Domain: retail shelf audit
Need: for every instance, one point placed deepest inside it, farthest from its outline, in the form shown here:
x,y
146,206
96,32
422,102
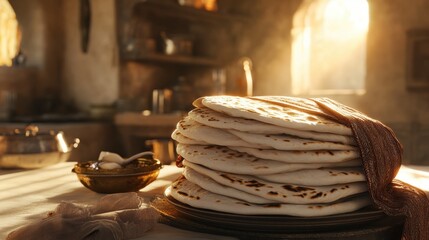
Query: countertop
x,y
27,195
151,120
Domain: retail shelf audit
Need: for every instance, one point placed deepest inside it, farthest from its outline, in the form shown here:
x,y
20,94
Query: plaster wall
x,y
93,78
387,97
90,78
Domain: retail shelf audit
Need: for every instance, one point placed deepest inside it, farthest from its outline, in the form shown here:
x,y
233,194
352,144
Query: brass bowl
x,y
133,177
30,148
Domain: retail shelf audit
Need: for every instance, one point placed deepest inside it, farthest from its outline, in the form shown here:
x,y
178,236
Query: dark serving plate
x,y
275,223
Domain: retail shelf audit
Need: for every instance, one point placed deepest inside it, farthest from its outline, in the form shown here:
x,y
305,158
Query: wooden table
x,y
27,195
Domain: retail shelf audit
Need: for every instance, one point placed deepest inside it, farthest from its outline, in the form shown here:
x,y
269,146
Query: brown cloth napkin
x,y
381,155
114,216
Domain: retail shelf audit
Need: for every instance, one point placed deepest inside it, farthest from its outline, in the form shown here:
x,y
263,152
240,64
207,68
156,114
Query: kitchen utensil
x,y
114,160
219,81
85,24
163,149
30,148
183,95
133,177
177,44
161,101
239,78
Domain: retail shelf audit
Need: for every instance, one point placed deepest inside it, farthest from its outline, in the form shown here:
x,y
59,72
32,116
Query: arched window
x,y
329,47
10,36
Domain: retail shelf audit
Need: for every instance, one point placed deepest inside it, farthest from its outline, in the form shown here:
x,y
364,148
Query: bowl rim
x,y
117,175
155,166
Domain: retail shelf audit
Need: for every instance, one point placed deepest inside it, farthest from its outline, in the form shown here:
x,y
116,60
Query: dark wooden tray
x,y
247,227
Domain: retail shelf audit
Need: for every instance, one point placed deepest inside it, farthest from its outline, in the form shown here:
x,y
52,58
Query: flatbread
x,y
317,156
270,113
209,117
285,142
318,177
178,137
194,130
224,159
285,193
195,196
214,187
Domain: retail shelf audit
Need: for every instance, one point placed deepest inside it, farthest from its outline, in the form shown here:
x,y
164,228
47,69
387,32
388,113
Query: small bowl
x,y
133,177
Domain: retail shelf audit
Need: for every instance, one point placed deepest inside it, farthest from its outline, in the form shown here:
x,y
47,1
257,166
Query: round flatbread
x,y
285,193
271,113
285,142
194,130
318,177
214,187
317,156
195,196
227,160
209,117
178,137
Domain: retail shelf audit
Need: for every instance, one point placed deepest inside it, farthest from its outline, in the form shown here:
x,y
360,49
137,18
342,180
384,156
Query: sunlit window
x,y
9,34
329,47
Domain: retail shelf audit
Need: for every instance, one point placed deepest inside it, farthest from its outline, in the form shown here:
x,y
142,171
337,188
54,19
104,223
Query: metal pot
x,y
30,148
163,149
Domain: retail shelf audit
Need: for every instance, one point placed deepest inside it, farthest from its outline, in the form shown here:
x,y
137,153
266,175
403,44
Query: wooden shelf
x,y
175,10
168,59
160,15
138,119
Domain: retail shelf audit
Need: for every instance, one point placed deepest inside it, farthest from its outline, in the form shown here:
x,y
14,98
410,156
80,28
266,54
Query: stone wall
x,y
387,97
53,44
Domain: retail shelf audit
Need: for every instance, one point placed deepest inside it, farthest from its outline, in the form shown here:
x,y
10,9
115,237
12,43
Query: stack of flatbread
x,y
253,156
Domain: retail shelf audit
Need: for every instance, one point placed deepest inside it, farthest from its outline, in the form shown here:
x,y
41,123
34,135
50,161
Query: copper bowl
x,y
30,148
133,177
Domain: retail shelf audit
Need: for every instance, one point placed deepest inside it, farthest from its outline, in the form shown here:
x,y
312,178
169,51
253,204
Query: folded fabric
x,y
114,216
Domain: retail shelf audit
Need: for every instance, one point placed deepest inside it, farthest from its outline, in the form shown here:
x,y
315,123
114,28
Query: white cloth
x,y
26,196
114,216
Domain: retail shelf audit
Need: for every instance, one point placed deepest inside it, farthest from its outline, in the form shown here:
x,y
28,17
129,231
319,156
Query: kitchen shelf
x,y
167,59
177,11
138,119
146,19
142,29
